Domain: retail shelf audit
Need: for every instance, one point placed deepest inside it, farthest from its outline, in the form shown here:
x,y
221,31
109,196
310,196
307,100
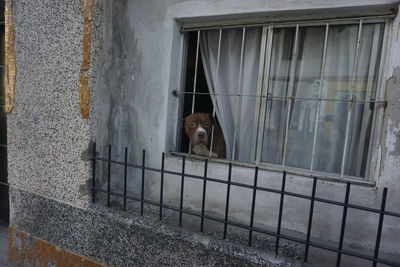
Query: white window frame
x,y
374,153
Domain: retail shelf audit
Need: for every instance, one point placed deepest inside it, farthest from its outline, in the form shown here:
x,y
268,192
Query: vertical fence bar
x,y
142,185
214,96
125,175
162,184
203,201
278,231
253,204
290,92
182,190
343,227
195,78
94,173
310,217
228,192
239,94
109,176
380,224
321,83
351,99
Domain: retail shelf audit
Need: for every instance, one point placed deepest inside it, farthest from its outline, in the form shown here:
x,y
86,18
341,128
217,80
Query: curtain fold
x,y
231,81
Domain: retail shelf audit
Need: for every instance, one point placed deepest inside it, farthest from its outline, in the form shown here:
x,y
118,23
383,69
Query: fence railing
x,y
339,250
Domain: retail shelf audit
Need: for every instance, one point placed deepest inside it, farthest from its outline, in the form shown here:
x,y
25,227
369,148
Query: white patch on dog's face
x,y
200,136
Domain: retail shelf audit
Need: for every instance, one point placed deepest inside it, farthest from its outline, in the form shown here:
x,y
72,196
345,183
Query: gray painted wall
x,y
141,66
136,64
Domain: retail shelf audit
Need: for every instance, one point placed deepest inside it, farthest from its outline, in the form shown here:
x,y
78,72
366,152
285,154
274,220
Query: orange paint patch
x,y
25,250
84,90
10,68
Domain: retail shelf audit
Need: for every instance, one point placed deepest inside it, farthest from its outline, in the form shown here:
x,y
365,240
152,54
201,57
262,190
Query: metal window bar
x,y
291,97
216,85
239,94
195,77
263,78
350,102
278,235
321,84
378,110
292,74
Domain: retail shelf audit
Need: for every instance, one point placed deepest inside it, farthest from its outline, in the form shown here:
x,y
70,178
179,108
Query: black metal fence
x,y
339,250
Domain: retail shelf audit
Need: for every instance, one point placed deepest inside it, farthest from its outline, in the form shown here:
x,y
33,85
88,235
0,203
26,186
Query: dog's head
x,y
198,128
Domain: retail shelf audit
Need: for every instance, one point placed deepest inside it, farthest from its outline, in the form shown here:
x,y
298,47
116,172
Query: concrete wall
x,y
47,137
136,64
141,66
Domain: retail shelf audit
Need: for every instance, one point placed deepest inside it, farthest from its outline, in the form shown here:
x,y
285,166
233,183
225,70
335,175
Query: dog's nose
x,y
201,135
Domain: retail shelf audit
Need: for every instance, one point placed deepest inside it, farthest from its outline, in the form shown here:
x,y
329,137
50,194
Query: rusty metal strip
x,y
10,68
84,90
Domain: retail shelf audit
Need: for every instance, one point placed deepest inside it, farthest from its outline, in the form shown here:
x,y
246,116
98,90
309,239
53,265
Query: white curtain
x,y
229,81
331,130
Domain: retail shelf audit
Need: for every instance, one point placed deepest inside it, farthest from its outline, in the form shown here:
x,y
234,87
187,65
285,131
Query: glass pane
x,y
334,107
340,55
306,88
364,89
276,110
337,84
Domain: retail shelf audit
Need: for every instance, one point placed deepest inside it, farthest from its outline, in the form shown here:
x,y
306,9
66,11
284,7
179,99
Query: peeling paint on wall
x,y
9,58
84,90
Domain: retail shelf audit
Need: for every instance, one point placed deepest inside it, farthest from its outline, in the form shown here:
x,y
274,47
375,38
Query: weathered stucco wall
x,y
136,59
141,66
47,137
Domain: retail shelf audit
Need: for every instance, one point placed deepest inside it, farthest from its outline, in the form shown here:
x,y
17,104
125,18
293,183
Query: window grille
x,y
311,101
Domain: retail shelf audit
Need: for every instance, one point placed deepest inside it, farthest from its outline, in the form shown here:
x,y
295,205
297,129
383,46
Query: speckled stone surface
x,y
119,239
48,139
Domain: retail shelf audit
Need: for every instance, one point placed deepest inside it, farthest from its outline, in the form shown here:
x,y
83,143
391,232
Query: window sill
x,y
289,170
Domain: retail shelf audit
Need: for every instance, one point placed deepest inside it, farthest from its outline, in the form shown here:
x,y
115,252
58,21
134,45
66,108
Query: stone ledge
x,y
118,239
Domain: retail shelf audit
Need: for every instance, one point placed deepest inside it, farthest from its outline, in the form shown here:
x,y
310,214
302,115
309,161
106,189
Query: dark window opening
x,y
203,101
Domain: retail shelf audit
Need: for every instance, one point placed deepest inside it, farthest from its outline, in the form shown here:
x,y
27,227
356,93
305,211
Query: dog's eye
x,y
206,124
192,124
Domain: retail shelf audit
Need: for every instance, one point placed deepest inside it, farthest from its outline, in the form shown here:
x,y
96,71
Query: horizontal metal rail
x,y
270,97
271,190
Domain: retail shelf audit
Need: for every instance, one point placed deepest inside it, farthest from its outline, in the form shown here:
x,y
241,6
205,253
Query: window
x,y
301,96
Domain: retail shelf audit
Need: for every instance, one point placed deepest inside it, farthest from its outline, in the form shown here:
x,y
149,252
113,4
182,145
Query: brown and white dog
x,y
198,127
